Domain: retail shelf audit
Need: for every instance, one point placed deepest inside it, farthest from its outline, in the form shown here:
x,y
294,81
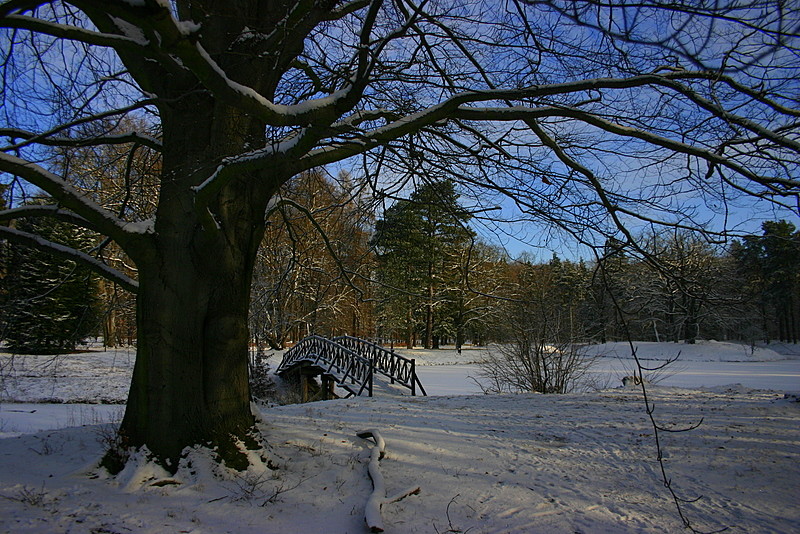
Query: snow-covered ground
x,y
703,364
484,464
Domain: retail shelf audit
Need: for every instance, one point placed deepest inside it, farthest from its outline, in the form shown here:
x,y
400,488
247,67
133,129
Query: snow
x,y
17,419
484,464
133,32
280,113
146,226
83,377
229,164
187,27
706,351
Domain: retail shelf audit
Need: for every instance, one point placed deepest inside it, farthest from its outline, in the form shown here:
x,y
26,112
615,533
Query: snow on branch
x,y
64,31
44,211
249,161
45,139
372,511
346,9
38,242
215,78
99,218
181,40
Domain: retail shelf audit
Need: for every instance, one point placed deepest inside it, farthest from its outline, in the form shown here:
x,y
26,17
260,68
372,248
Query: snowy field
x,y
484,464
702,365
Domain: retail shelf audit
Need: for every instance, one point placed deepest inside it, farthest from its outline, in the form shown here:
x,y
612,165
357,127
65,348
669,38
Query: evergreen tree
x,y
50,305
769,263
418,244
608,292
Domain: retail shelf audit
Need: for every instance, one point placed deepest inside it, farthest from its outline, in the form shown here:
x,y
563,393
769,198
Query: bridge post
x,y
413,377
303,387
327,387
371,374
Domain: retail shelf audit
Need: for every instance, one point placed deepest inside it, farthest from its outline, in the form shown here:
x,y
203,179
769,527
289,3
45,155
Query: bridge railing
x,y
352,371
398,368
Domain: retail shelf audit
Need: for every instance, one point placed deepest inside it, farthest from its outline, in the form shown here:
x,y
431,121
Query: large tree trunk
x,y
190,381
192,318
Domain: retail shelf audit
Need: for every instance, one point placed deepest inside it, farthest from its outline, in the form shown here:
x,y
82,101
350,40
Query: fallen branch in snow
x,y
372,511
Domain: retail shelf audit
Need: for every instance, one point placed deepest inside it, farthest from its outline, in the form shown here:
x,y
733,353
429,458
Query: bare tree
x,y
124,179
542,352
312,267
588,115
683,290
481,276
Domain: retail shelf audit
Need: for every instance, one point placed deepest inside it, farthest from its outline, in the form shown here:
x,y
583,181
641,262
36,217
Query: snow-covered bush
x,y
262,385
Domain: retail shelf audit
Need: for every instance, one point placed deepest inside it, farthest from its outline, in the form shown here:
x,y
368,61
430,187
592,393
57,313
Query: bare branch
x,y
44,139
44,211
100,219
23,22
37,242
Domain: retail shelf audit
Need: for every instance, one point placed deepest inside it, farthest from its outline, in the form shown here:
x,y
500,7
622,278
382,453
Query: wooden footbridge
x,y
349,363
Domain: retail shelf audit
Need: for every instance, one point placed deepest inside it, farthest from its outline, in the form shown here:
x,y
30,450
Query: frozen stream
x,y
40,392
781,375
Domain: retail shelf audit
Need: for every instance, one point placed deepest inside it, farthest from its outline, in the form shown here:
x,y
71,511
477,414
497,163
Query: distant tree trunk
x,y
764,320
691,325
780,310
672,328
428,340
409,328
110,333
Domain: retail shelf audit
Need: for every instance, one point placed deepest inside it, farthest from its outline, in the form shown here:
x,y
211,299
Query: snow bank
x,y
484,464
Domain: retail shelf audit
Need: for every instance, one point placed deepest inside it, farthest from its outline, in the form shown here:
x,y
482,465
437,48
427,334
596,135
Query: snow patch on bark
x,y
131,31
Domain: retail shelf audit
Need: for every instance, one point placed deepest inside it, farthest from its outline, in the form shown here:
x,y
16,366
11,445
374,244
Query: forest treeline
x,y
418,275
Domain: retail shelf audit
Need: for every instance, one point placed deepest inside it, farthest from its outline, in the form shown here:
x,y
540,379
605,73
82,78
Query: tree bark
x,y
190,381
428,340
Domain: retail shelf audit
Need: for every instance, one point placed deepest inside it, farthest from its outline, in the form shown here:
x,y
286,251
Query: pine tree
x,y
769,265
419,243
50,304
